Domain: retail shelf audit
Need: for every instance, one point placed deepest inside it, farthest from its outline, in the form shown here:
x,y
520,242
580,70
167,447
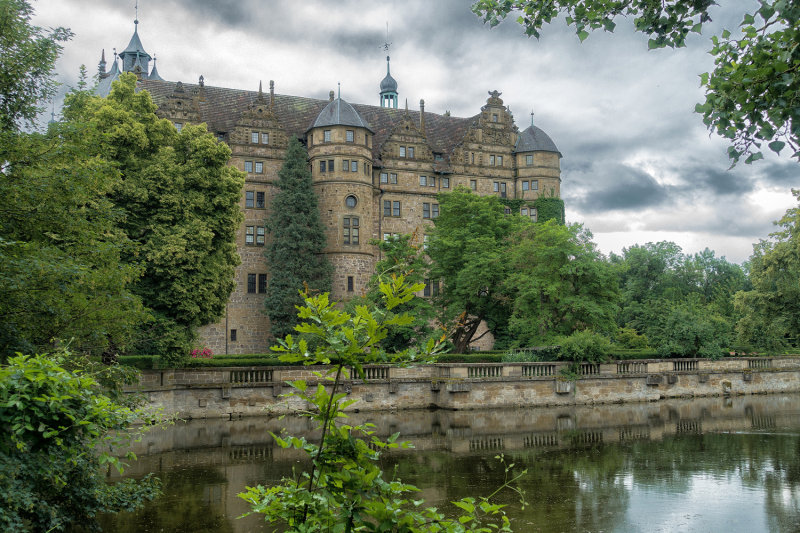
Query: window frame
x,y
248,167
250,236
264,137
261,200
249,199
261,236
350,136
254,137
326,136
251,283
259,167
262,283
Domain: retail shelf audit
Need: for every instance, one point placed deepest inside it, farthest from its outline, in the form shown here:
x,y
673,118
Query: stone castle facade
x,y
377,171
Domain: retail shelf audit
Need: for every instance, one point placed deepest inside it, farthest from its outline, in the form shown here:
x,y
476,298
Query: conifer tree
x,y
297,241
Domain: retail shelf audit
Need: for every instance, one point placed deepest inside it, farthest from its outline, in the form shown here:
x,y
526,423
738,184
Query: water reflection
x,y
677,465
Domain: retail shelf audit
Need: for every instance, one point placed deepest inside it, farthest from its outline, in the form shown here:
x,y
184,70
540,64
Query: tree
x,y
771,310
753,92
27,57
688,328
401,257
560,284
467,248
344,488
180,205
60,247
58,427
297,242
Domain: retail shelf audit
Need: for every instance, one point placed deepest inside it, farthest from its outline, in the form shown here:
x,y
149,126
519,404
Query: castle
x,y
377,171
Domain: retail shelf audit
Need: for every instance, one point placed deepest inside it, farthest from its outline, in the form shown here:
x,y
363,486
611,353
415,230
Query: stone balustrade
x,y
237,391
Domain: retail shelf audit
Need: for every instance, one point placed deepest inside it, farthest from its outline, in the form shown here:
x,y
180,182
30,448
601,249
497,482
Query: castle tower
x,y
538,167
388,89
134,55
340,152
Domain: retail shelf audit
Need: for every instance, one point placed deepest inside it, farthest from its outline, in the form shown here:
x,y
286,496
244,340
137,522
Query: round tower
x,y
340,152
538,164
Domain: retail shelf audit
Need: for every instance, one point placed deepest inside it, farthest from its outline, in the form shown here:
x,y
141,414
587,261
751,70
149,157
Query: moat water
x,y
713,464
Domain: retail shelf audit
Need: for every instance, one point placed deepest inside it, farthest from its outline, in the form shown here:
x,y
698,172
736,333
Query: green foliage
x,y
297,242
630,338
468,252
752,93
473,357
549,208
623,354
771,310
58,425
689,329
400,257
344,490
559,284
180,202
584,347
27,57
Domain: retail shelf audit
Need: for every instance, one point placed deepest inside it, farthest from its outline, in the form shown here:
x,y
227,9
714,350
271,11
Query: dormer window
x,y
494,117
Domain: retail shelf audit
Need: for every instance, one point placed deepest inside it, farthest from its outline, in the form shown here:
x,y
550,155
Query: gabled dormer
x,y
258,130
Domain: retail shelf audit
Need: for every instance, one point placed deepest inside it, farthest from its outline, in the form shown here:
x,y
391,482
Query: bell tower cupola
x,y
388,89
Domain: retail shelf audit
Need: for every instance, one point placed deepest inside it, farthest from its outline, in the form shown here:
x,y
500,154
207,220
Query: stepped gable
x,y
223,107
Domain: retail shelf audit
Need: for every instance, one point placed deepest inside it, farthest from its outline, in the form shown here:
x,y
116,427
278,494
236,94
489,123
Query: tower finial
x,y
136,20
531,117
339,95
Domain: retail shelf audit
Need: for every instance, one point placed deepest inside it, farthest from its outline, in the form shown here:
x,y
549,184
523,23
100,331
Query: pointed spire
x,y
101,66
531,117
154,73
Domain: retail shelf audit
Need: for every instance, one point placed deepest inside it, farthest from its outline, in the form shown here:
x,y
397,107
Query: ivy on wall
x,y
548,208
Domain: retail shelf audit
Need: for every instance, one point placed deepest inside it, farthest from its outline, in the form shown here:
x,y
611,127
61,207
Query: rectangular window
x,y
524,211
534,185
435,210
178,126
345,165
529,160
395,208
502,190
534,214
525,185
261,232
402,151
254,137
387,236
248,166
473,184
353,166
425,240
432,181
427,290
350,230
393,178
494,117
426,210
326,136
387,208
411,152
496,186
473,158
330,165
265,138
260,200
491,160
499,160
349,136
322,166
262,283
350,284
249,199
251,283
250,235
259,167
423,181
233,335
445,183
384,177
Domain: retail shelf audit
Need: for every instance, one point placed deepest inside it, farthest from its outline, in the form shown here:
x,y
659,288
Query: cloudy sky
x,y
638,163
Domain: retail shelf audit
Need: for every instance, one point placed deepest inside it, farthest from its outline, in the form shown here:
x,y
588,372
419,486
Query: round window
x,y
350,201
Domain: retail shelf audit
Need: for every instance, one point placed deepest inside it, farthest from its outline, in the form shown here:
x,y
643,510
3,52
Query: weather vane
x,y
137,11
387,44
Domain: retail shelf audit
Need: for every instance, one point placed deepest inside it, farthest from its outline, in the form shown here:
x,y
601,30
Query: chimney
x,y
272,94
422,116
330,96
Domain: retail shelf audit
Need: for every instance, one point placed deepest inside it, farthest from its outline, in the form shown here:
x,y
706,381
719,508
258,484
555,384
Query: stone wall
x,y
235,392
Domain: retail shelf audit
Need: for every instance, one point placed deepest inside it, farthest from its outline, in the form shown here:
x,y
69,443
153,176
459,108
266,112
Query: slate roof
x,y
339,113
534,139
222,108
388,84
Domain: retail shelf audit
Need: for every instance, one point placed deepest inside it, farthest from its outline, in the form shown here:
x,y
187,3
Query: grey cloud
x,y
618,187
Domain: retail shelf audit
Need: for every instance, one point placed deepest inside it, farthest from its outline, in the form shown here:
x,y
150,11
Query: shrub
x,y
630,338
584,347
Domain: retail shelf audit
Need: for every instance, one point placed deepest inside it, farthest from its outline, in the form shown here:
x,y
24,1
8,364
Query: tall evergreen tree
x,y
297,240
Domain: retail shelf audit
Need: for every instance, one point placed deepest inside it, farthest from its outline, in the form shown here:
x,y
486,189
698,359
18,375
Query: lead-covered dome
x,y
534,139
339,113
